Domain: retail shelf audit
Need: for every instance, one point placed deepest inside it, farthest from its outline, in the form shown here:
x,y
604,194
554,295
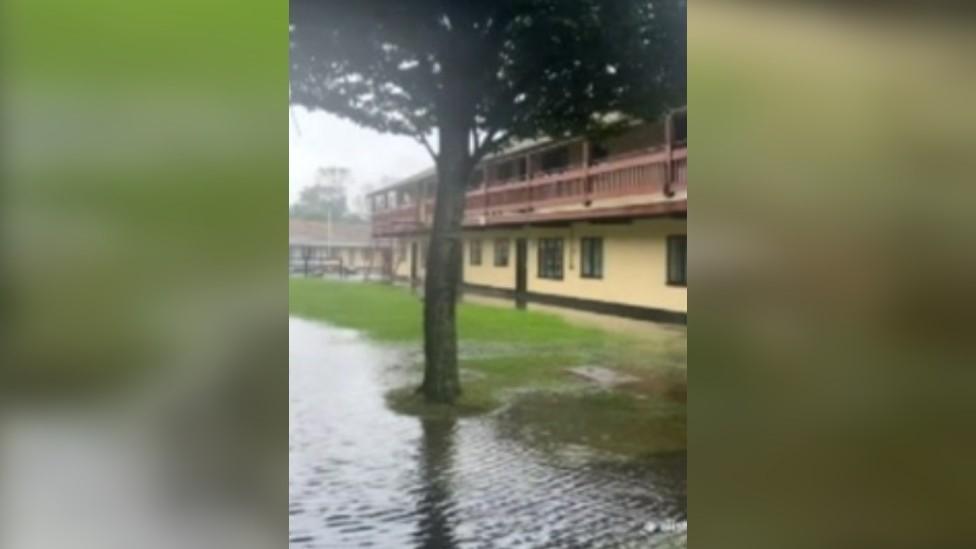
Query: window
x,y
598,152
505,171
474,247
501,252
678,260
551,258
555,159
591,260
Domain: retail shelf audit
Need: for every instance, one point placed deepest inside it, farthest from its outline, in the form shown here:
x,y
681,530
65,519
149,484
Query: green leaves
x,y
510,69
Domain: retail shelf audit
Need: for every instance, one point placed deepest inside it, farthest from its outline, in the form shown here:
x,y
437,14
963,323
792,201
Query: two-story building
x,y
343,248
594,225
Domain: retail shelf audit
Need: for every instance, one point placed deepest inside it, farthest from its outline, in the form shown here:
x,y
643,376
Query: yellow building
x,y
594,225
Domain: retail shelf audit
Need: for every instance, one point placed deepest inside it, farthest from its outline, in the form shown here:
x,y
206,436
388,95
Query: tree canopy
x,y
509,69
326,199
477,74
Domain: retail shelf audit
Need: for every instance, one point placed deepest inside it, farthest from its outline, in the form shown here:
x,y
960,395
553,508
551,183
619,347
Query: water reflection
x,y
435,506
362,476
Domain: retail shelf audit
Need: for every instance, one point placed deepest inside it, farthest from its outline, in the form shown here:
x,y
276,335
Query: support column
x,y
587,187
669,166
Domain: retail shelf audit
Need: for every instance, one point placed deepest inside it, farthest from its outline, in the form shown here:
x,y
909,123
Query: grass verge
x,y
506,351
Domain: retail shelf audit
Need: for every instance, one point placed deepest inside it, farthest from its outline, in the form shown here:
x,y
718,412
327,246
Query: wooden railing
x,y
654,176
651,176
679,170
396,220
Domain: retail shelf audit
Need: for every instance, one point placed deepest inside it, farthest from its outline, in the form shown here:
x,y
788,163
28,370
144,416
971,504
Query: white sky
x,y
317,139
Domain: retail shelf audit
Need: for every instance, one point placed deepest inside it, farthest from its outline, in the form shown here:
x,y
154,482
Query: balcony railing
x,y
643,177
397,220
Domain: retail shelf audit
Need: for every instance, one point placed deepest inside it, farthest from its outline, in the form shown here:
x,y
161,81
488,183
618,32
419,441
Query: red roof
x,y
342,233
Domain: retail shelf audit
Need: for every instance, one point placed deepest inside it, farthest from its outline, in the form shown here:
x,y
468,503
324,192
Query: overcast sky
x,y
319,139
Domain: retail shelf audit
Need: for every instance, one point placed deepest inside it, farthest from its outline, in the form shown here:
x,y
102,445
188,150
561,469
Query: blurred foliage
x,y
326,199
831,377
138,173
142,266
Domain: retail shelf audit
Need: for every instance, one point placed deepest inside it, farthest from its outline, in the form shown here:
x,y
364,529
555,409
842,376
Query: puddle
x,y
361,475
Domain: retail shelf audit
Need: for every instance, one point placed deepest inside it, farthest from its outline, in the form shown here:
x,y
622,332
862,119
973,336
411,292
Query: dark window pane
x,y
556,159
501,252
678,260
591,264
505,171
550,258
679,128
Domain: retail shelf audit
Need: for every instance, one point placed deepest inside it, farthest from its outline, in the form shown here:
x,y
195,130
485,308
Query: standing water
x,y
363,476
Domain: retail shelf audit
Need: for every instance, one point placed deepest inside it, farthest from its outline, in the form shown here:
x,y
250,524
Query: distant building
x,y
316,248
594,225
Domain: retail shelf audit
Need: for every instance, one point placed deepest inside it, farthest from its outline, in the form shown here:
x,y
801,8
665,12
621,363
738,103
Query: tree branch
x,y
490,141
430,150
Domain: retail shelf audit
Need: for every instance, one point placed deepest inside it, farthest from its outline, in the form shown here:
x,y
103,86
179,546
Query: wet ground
x,y
363,476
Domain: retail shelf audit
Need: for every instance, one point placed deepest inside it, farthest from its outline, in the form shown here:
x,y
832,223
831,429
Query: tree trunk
x,y
443,277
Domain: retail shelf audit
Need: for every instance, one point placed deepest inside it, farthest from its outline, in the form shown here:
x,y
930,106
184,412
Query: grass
x,y
389,313
617,422
505,352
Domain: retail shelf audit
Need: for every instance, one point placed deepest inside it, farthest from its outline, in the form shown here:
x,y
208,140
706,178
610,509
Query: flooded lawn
x,y
363,476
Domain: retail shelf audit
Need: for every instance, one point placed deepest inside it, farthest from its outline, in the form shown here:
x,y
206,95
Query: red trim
x,y
652,176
